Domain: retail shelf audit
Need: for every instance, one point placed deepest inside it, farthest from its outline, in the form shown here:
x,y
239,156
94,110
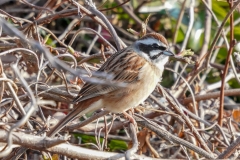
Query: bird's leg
x,y
131,119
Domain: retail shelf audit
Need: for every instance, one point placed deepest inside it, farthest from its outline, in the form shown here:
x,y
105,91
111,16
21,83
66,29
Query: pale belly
x,y
136,94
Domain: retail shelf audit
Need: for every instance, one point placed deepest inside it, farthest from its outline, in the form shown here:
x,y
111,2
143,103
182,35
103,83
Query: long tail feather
x,y
80,109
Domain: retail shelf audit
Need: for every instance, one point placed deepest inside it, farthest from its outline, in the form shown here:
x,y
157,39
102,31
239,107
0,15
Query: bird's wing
x,y
122,67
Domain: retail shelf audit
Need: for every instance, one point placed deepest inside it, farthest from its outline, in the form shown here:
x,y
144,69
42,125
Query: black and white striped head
x,y
154,48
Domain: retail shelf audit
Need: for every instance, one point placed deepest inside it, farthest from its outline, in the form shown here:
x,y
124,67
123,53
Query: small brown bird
x,y
139,66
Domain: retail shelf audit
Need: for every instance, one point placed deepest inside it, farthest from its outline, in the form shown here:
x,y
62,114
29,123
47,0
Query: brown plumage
x,y
129,66
156,36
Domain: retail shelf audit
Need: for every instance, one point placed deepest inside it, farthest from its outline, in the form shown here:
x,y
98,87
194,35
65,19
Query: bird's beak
x,y
168,53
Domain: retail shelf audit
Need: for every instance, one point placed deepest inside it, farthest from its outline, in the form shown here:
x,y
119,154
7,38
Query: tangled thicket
x,y
49,49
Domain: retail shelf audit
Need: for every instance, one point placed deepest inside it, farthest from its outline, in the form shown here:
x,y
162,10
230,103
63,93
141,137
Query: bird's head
x,y
154,48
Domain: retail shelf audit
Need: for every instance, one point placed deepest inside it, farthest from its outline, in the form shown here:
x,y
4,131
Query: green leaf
x,y
220,12
116,145
50,42
113,145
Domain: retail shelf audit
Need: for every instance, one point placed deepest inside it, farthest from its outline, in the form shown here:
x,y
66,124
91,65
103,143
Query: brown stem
x,y
220,117
230,149
179,20
132,15
211,95
206,58
107,9
174,103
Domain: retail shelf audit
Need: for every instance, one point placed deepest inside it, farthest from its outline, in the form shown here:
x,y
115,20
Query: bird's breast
x,y
135,93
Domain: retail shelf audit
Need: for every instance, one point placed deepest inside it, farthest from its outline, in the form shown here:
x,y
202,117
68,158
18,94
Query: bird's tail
x,y
80,109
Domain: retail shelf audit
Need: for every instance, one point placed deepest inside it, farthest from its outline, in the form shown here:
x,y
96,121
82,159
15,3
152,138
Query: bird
x,y
139,66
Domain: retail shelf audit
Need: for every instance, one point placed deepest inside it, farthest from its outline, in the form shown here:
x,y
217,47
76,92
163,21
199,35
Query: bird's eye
x,y
155,46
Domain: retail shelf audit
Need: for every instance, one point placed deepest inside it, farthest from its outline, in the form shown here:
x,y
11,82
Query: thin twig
x,y
211,95
133,16
89,29
207,29
232,43
187,35
133,135
119,43
160,131
179,20
230,149
174,103
190,25
94,40
34,6
207,59
111,8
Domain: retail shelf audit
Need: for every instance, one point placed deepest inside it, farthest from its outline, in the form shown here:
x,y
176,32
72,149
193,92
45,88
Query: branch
x,y
232,43
160,131
230,149
40,143
212,95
